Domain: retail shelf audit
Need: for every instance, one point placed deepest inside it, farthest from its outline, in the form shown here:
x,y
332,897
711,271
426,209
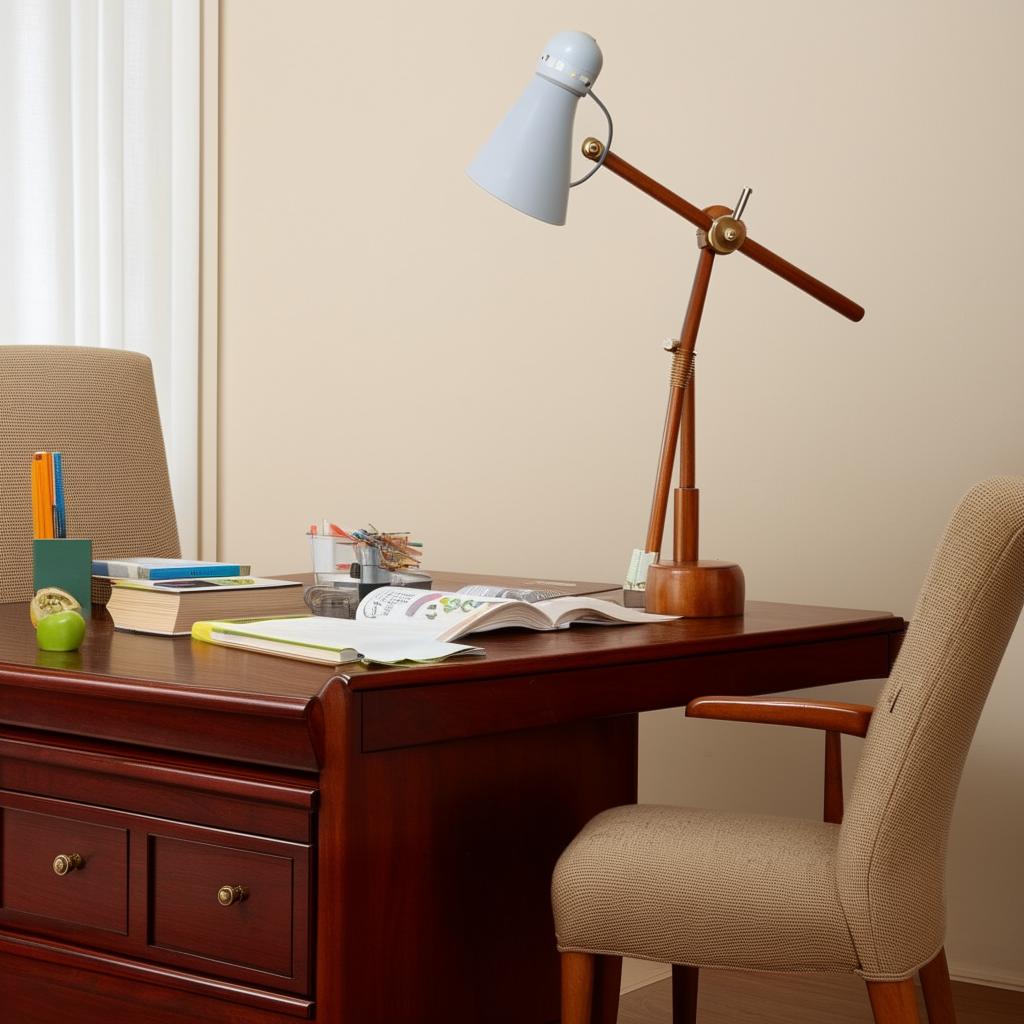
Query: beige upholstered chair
x,y
98,408
697,888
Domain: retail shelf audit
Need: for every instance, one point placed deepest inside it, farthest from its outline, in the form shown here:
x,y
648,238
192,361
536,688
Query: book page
x,y
374,642
511,593
201,583
432,611
597,612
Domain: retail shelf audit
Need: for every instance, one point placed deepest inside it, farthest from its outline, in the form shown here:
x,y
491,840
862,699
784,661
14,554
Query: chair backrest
x,y
892,846
98,408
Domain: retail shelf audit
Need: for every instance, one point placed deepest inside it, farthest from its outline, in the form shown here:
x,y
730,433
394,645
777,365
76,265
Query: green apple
x,y
62,631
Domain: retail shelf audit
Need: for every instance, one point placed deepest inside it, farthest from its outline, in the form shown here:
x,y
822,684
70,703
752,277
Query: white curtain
x,y
99,195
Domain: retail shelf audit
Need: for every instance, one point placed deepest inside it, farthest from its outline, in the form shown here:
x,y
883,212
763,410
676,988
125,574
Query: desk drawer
x,y
86,887
224,904
146,888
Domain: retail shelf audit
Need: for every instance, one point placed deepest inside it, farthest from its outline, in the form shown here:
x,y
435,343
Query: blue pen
x,y
60,522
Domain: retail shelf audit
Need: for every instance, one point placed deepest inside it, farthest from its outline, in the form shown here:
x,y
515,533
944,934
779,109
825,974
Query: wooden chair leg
x,y
938,993
894,1002
577,987
684,994
607,982
833,809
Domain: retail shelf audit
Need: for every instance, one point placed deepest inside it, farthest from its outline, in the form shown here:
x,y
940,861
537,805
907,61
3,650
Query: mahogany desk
x,y
395,829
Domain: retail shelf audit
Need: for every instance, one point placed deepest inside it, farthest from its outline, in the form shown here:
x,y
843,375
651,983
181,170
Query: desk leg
x,y
449,852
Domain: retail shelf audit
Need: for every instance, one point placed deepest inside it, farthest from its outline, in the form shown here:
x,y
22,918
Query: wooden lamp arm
x,y
834,717
831,716
701,219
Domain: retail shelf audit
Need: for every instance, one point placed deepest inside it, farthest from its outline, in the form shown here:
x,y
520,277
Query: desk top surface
x,y
110,658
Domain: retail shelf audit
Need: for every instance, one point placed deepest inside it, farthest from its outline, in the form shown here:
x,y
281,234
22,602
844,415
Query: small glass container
x,y
333,558
346,571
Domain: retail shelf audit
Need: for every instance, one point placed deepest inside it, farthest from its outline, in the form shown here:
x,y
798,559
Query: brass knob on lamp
x,y
231,894
726,234
65,862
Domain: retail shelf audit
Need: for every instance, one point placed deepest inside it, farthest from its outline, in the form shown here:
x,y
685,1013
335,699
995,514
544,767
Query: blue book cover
x,y
165,569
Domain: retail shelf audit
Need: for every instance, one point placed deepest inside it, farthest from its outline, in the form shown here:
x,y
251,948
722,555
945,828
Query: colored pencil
x,y
59,512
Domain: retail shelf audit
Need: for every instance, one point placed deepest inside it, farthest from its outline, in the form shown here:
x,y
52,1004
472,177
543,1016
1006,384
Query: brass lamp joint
x,y
726,234
592,148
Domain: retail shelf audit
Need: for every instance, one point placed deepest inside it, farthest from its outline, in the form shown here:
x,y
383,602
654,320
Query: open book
x,y
447,617
395,625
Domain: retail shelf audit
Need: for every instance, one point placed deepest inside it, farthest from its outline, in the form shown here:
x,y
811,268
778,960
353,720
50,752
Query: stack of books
x,y
167,596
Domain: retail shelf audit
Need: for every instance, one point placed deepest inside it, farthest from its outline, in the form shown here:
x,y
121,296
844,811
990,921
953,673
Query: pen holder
x,y
66,564
345,572
333,558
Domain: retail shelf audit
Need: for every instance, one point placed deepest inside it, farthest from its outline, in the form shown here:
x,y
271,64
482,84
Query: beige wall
x,y
396,346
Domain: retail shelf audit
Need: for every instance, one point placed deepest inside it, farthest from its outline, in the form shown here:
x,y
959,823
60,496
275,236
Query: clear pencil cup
x,y
333,558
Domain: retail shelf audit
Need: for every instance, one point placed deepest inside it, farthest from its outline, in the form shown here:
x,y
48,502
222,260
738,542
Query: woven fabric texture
x,y
98,408
707,889
703,888
892,850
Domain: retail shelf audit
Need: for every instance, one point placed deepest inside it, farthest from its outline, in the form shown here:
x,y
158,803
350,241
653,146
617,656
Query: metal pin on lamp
x,y
526,163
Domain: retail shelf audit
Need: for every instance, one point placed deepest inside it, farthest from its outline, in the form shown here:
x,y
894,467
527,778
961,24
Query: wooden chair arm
x,y
832,716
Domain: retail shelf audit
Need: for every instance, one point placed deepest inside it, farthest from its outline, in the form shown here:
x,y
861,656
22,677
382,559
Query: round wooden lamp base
x,y
700,590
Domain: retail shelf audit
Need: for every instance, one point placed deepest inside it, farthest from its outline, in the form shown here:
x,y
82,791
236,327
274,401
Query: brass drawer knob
x,y
65,862
229,894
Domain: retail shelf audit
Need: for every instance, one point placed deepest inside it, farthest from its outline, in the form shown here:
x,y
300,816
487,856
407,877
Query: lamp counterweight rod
x,y
802,280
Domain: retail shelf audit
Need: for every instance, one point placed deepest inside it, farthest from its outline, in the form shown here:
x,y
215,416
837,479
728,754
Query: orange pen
x,y
38,494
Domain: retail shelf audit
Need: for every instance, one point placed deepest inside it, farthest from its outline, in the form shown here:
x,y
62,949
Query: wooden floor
x,y
728,997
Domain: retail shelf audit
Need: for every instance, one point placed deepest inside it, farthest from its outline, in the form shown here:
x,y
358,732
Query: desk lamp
x,y
526,163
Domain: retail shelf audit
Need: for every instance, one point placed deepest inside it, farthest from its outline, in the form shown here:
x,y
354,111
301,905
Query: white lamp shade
x,y
526,162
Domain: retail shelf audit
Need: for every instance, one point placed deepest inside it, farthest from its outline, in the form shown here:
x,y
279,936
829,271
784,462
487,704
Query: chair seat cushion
x,y
705,888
